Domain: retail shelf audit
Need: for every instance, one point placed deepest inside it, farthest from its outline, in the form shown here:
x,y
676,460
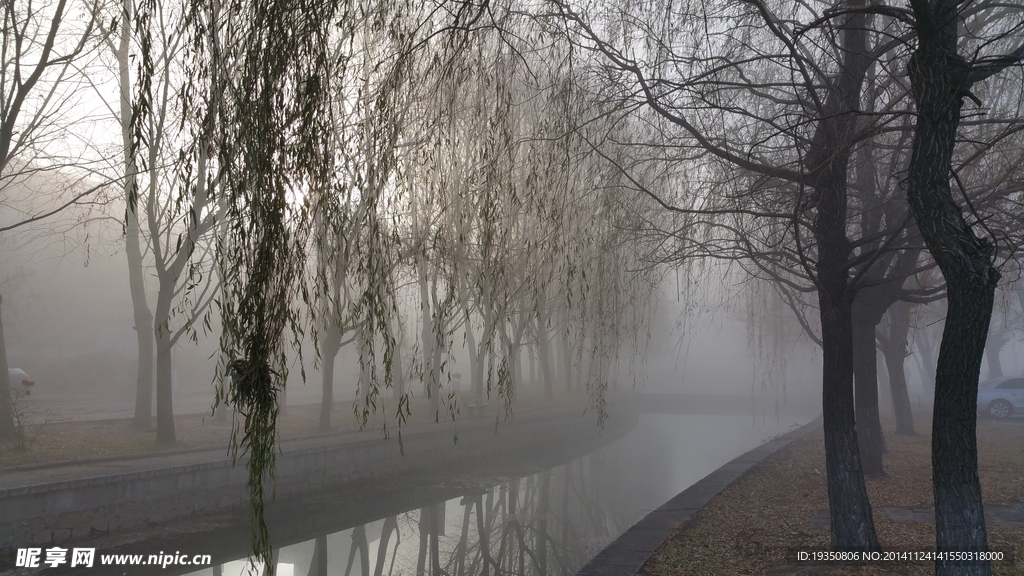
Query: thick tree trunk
x,y
828,159
865,372
959,514
852,524
8,431
938,80
895,352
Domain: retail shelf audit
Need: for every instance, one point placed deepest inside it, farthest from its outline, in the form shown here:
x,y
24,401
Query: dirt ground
x,y
759,523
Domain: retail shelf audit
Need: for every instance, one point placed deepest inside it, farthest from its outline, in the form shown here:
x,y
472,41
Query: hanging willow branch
x,y
271,149
323,114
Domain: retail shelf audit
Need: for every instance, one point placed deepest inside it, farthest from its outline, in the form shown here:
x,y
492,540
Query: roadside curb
x,y
628,553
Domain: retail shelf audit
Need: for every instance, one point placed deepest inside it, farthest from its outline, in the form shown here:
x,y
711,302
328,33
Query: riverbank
x,y
52,438
75,501
756,525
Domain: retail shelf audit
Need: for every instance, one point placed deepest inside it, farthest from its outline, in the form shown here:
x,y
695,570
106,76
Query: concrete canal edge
x,y
72,502
628,553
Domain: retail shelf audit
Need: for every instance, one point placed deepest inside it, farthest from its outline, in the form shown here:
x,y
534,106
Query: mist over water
x,y
542,522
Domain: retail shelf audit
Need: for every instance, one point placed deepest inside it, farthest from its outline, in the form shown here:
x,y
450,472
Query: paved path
x,y
628,553
48,473
111,407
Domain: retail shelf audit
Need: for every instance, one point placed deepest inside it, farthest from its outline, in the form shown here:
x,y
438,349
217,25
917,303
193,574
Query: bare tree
x,y
169,194
765,96
40,48
941,80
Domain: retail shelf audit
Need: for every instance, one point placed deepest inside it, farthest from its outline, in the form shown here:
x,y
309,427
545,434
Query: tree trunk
x,y
133,252
8,431
581,375
365,367
852,525
566,350
318,565
544,350
390,526
424,529
440,335
938,81
993,346
959,514
926,359
865,371
475,356
531,359
397,370
828,160
143,418
164,403
544,512
894,350
427,337
330,344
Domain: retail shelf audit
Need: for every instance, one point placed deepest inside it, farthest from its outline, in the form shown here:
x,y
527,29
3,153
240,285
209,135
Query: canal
x,y
543,514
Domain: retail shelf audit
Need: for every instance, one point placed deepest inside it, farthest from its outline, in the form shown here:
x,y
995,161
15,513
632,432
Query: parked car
x,y
1001,397
18,376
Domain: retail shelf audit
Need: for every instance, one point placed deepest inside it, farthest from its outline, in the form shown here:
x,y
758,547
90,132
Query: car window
x,y
1014,384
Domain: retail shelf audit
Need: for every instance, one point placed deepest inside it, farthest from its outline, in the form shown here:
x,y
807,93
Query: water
x,y
513,518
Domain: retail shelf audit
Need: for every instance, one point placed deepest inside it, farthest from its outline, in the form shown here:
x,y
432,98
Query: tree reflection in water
x,y
548,523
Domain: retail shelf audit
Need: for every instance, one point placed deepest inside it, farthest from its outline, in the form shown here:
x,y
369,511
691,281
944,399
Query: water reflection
x,y
547,522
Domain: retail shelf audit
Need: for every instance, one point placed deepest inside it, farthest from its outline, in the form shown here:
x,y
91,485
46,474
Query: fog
x,y
569,254
68,322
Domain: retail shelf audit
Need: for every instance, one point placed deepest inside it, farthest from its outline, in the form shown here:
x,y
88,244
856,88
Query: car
x,y
1001,397
18,376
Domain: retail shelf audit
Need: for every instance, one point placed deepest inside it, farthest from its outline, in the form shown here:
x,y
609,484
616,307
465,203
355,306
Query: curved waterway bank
x,y
73,502
540,511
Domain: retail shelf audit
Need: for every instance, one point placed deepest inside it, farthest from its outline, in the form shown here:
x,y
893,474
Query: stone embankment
x,y
64,503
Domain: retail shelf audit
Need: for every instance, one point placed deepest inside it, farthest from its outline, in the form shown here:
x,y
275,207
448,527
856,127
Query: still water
x,y
525,519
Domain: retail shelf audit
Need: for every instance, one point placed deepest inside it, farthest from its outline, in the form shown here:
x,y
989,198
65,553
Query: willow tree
x,y
767,91
270,133
942,79
506,206
333,117
355,236
275,150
